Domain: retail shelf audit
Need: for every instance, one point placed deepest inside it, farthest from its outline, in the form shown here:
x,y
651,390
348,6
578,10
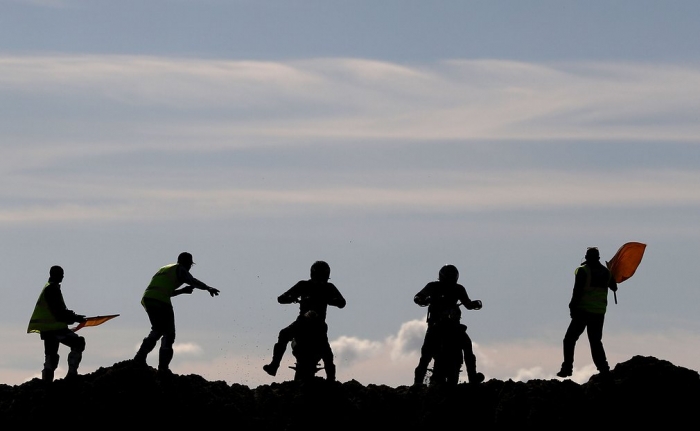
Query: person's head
x,y
592,254
56,274
320,271
185,259
449,274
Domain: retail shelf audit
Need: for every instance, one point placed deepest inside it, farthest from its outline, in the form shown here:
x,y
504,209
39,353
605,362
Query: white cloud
x,y
409,339
326,98
190,349
133,199
353,349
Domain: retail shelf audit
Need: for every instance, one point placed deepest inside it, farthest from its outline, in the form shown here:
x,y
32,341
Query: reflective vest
x,y
594,298
42,319
163,284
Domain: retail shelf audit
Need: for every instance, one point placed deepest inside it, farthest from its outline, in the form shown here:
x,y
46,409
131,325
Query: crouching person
x,y
50,319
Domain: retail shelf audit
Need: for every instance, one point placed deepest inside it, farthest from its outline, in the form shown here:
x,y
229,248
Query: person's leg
x,y
595,338
157,319
426,355
51,358
469,357
573,332
165,354
285,336
327,358
77,347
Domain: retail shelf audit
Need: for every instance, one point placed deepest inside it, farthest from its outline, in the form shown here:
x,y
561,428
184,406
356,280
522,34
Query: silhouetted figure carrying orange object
x,y
314,295
51,319
587,308
443,298
164,285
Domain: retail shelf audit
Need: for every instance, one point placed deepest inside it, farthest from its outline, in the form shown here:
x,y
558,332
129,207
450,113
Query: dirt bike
x,y
309,346
448,356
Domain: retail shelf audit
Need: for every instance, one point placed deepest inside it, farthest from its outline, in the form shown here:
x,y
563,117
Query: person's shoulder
x,y
432,285
52,286
301,284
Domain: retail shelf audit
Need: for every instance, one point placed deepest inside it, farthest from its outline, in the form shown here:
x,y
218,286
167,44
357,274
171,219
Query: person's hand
x,y
421,300
474,305
187,289
213,291
79,318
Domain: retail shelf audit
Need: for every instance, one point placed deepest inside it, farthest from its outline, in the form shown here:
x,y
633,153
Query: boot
x,y
74,358
148,344
47,375
277,354
164,358
419,376
50,365
476,378
330,372
470,364
566,370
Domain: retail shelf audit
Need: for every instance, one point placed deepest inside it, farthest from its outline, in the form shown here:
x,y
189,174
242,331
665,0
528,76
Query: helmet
x,y
320,270
448,273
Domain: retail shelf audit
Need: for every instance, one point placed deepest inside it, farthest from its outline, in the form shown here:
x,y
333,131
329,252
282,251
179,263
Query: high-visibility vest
x,y
594,298
42,319
163,284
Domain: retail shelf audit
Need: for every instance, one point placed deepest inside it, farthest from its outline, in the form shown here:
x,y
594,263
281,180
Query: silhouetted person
x,y
315,294
51,319
164,285
587,308
443,298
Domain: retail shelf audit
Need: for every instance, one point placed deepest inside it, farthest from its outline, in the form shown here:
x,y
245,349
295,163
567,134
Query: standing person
x,y
313,295
442,298
587,309
164,285
50,319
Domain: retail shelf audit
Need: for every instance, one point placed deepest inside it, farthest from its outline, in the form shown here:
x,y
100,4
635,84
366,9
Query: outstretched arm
x,y
186,277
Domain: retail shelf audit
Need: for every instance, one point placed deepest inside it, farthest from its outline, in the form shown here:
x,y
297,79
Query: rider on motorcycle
x,y
313,295
443,298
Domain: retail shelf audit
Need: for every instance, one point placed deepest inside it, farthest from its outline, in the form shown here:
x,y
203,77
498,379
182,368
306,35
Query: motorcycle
x,y
450,337
448,357
309,346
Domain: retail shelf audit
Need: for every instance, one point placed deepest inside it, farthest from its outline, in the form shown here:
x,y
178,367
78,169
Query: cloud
x,y
352,349
408,340
357,98
68,199
190,349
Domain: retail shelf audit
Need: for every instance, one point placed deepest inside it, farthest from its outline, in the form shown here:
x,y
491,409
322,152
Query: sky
x,y
387,138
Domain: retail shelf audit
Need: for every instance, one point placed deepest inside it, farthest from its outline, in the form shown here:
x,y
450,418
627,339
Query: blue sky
x,y
387,138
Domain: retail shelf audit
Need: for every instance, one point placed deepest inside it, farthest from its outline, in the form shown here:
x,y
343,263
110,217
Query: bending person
x,y
164,285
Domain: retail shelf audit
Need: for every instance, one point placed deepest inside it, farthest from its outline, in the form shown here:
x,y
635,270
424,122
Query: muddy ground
x,y
642,391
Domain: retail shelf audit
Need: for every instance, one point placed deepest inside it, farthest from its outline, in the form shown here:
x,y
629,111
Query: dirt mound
x,y
640,391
